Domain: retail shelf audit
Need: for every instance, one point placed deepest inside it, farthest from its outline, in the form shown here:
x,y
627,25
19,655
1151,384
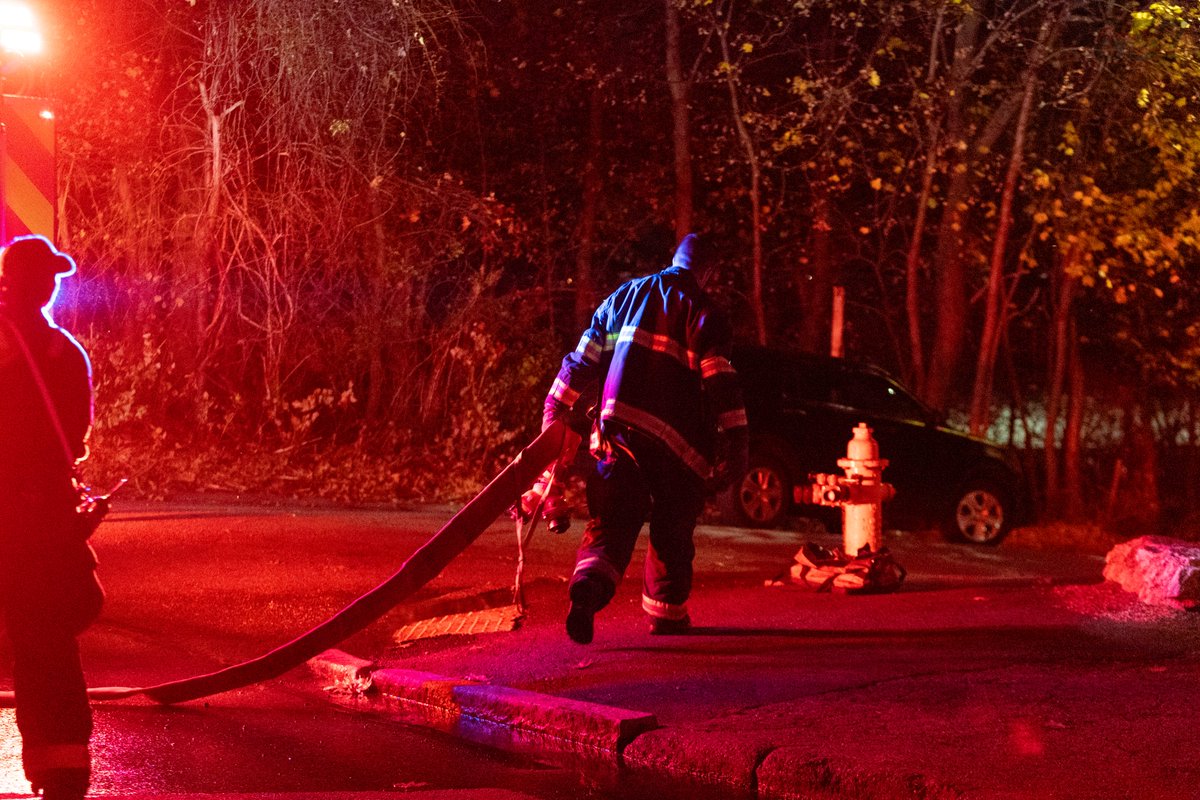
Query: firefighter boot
x,y
661,626
586,599
62,784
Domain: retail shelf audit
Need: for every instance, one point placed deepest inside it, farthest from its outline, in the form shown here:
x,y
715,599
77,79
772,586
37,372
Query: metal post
x,y
3,182
839,319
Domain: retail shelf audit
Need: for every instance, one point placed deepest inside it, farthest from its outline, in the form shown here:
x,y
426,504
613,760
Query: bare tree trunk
x,y
1072,456
376,373
209,274
1061,331
585,280
1192,460
950,281
750,149
816,285
1020,416
912,271
1142,500
680,87
997,301
950,288
915,370
549,271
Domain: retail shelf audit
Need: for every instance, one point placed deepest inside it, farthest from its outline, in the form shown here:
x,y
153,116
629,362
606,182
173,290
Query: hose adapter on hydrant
x,y
860,493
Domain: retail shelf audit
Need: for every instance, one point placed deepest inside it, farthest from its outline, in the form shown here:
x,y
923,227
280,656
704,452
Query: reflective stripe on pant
x,y
655,485
661,610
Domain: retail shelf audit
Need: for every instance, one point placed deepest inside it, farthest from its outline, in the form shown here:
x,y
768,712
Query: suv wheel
x,y
981,514
761,499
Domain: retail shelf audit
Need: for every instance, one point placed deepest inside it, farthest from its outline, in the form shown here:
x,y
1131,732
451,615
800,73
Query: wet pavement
x,y
994,673
1011,672
194,588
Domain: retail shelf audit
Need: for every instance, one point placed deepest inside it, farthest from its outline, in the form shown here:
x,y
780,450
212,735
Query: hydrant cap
x,y
863,446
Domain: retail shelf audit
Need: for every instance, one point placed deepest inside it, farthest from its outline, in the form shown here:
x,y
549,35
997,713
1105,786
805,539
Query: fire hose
x,y
544,500
420,568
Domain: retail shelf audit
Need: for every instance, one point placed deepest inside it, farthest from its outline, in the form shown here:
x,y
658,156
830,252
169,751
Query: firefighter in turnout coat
x,y
48,589
669,424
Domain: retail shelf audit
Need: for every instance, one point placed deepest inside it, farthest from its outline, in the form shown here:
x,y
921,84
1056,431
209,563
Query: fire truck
x,y
27,143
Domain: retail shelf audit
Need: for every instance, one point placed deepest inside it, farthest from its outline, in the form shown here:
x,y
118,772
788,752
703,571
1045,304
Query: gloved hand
x,y
527,505
732,460
554,411
547,492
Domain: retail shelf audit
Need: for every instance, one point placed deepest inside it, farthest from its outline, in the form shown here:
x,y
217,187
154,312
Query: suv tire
x,y
982,514
761,499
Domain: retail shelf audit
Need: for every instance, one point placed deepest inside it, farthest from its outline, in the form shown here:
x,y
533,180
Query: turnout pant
x,y
642,480
50,595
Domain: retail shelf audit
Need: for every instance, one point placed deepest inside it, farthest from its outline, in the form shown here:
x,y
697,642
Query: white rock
x,y
1160,570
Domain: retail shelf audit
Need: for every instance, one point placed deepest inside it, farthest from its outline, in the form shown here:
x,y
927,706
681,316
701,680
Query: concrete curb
x,y
793,773
445,700
759,766
342,670
711,758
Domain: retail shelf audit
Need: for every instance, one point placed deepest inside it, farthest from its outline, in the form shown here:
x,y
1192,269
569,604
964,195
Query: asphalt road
x,y
194,588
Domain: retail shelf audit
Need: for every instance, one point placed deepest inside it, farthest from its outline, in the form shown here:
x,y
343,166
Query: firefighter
x,y
669,424
49,592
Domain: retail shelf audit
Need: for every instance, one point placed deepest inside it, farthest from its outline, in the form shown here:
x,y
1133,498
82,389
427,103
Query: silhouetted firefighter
x,y
669,420
50,593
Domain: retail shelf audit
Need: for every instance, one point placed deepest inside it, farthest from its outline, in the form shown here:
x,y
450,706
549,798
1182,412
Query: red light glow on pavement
x,y
12,775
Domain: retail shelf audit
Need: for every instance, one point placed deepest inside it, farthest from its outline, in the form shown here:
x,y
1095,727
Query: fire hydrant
x,y
860,493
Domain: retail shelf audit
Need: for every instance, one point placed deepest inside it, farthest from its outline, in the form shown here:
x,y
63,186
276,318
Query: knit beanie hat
x,y
689,253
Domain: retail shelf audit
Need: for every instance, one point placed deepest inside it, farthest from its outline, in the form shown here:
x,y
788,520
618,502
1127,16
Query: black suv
x,y
802,412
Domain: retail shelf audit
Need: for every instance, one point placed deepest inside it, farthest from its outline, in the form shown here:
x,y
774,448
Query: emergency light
x,y
19,32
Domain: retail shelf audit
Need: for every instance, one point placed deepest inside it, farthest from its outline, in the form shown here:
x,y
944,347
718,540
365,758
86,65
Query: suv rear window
x,y
787,380
876,394
775,379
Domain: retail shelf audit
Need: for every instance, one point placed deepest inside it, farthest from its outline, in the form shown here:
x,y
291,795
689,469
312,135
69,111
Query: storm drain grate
x,y
488,620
